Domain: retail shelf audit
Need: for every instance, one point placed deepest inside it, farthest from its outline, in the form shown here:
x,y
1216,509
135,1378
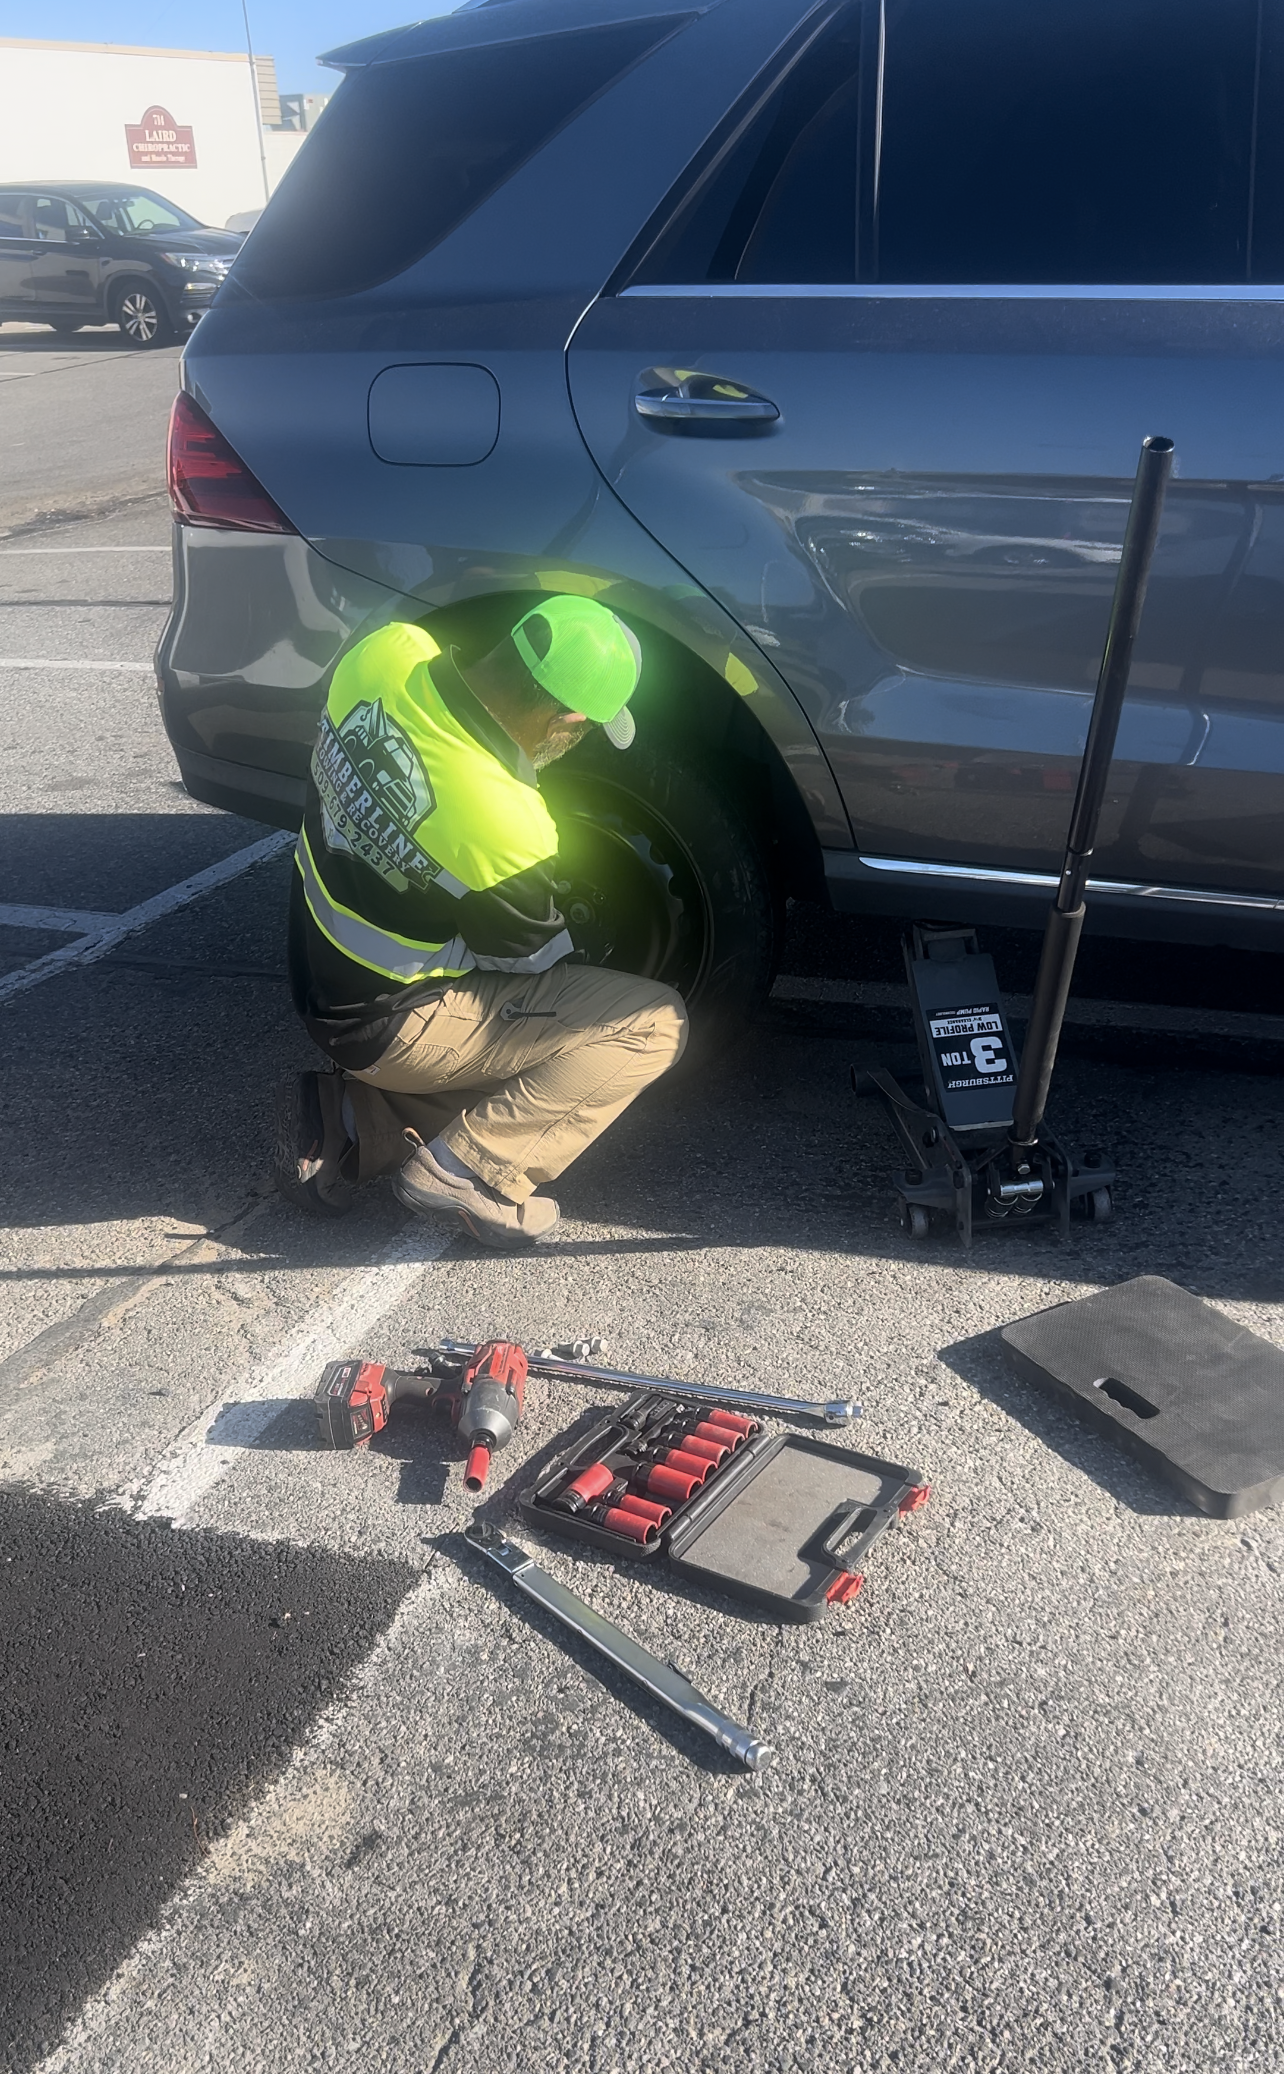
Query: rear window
x,y
406,150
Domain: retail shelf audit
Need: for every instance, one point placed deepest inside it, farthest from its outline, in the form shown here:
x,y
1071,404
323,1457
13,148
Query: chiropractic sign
x,y
160,141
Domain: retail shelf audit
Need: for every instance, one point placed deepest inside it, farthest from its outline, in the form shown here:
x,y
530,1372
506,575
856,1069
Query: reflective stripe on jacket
x,y
426,848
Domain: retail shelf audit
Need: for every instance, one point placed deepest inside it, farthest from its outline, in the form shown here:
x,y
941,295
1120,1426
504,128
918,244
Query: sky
x,y
291,31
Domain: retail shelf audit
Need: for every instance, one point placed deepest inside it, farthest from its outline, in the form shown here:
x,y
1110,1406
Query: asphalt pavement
x,y
1025,1810
84,422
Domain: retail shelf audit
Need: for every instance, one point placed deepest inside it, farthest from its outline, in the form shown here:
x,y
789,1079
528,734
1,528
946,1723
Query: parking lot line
x,y
86,950
10,551
222,1432
73,919
40,662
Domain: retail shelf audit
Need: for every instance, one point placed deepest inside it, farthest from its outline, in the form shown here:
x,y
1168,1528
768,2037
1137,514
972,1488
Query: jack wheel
x,y
915,1220
1099,1205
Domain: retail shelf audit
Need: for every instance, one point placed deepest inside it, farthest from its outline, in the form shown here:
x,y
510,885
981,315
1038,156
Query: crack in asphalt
x,y
123,1293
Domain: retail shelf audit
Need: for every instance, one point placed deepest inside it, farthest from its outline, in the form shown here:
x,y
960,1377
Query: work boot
x,y
424,1186
310,1144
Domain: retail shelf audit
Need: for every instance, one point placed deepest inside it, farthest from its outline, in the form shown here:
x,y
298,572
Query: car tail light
x,y
209,484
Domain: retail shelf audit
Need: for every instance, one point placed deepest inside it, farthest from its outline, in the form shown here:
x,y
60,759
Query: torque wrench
x,y
799,1410
662,1680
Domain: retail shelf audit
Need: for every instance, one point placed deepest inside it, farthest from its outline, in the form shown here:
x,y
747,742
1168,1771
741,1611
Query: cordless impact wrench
x,y
484,1397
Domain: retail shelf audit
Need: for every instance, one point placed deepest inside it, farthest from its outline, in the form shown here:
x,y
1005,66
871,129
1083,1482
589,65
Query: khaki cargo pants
x,y
517,1075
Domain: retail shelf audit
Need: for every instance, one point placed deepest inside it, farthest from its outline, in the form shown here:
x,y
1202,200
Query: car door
x,y
18,249
947,268
67,275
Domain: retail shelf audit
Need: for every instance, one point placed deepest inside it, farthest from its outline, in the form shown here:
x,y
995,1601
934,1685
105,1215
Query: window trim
x,y
703,168
697,174
957,291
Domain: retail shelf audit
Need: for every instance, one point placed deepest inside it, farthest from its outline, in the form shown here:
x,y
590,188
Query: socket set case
x,y
784,1520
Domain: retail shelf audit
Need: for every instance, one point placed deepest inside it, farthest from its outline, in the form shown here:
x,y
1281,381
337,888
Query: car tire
x,y
663,876
64,326
143,318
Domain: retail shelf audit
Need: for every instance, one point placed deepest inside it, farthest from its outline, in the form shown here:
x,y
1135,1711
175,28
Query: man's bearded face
x,y
563,733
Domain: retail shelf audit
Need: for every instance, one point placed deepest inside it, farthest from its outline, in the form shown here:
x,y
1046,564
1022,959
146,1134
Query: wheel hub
x,y
629,892
138,316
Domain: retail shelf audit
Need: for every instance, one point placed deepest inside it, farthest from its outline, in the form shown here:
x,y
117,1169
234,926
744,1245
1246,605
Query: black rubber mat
x,y
1186,1389
152,1681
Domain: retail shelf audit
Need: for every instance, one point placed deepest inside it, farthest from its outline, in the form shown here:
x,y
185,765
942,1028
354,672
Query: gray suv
x,y
819,342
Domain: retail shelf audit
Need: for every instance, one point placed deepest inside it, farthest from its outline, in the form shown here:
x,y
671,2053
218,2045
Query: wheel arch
x,y
727,716
709,715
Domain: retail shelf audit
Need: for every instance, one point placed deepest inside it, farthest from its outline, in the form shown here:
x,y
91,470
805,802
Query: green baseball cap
x,y
585,658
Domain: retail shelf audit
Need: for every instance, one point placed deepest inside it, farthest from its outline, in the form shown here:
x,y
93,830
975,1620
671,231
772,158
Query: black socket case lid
x,y
781,1523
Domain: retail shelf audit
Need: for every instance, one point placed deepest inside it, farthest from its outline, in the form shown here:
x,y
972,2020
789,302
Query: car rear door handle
x,y
682,396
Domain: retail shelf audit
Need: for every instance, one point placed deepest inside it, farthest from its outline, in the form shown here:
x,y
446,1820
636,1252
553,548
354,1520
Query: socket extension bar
x,y
799,1411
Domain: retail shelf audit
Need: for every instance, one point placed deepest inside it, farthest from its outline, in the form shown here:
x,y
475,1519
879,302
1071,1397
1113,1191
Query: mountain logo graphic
x,y
385,760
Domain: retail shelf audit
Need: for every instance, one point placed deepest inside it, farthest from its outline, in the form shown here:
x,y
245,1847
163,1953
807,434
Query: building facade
x,y
203,128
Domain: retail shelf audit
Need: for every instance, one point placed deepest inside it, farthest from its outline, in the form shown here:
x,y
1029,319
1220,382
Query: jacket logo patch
x,y
375,794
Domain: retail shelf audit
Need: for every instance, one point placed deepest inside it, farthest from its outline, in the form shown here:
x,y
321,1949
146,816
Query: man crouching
x,y
427,954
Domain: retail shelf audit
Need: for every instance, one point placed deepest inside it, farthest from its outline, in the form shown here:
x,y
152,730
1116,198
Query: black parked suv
x,y
83,252
818,338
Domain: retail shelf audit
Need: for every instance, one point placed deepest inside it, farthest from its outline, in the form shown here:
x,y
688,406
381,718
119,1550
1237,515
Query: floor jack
x,y
976,1145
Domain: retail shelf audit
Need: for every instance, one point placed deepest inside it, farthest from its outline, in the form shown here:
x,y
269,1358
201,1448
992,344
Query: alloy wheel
x,y
139,317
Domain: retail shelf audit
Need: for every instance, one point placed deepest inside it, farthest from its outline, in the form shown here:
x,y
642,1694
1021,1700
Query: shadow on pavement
x,y
108,863
18,337
156,1681
143,1090
981,1362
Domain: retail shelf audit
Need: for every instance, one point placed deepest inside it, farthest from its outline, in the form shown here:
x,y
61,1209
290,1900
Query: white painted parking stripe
x,y
88,949
1119,1015
80,919
40,662
197,1460
86,550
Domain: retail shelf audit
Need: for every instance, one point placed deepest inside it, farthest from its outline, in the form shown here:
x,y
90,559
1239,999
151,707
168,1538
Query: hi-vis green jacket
x,y
426,849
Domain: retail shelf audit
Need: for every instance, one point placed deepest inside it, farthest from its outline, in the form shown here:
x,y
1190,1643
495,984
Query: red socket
x,y
690,1465
707,1430
631,1524
589,1484
732,1420
711,1446
659,1515
669,1483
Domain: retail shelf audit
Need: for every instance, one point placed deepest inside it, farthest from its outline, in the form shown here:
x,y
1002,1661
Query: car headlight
x,y
198,263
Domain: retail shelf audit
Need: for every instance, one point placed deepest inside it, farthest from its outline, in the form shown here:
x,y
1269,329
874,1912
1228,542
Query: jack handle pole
x,y
1065,917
